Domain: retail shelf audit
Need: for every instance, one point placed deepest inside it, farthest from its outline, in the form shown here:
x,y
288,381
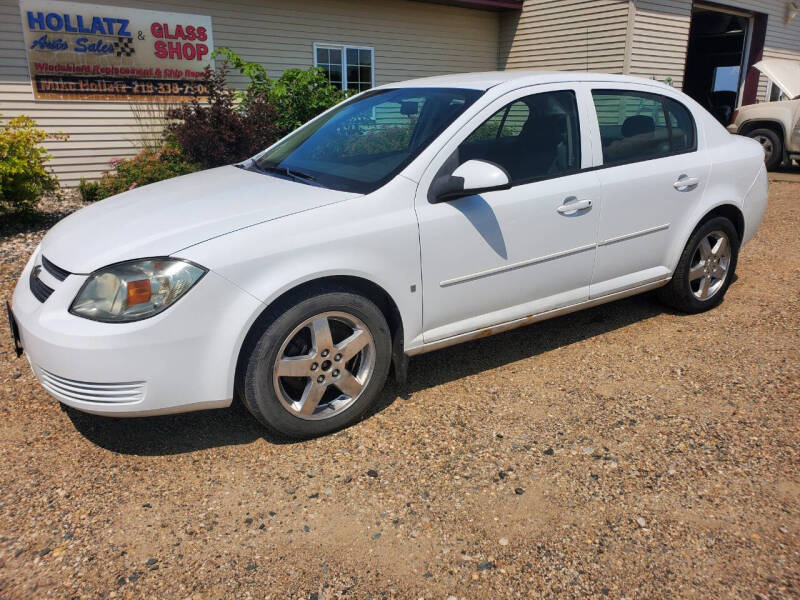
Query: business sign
x,y
91,52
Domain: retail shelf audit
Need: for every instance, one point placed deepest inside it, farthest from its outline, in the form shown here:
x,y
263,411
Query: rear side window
x,y
535,137
637,126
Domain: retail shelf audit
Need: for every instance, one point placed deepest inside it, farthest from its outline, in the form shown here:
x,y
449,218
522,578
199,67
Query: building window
x,y
726,79
348,67
775,93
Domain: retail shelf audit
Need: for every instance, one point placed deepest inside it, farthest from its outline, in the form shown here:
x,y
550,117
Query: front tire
x,y
705,269
773,148
318,365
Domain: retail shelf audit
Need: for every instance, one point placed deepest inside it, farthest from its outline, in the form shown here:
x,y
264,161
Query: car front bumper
x,y
179,360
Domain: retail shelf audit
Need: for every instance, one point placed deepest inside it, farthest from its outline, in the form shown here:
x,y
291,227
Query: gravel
x,y
691,488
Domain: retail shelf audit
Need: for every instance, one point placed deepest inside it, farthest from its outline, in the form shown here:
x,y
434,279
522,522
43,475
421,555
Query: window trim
x,y
660,98
344,48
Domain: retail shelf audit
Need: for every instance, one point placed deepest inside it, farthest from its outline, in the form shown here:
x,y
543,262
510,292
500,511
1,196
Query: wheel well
x,y
334,283
773,125
346,282
730,212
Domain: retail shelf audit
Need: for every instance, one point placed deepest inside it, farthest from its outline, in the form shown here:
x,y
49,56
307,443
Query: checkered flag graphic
x,y
124,46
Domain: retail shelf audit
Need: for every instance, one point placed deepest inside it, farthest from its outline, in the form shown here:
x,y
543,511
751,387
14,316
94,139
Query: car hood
x,y
786,73
162,218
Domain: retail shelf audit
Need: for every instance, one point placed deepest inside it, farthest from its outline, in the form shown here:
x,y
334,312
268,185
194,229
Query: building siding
x,y
648,38
411,39
661,34
660,38
566,35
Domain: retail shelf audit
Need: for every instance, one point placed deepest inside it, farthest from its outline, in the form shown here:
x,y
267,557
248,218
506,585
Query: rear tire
x,y
705,269
773,147
318,365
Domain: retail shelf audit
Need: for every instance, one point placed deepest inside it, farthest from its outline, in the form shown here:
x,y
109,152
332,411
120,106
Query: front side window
x,y
347,67
534,137
637,126
363,143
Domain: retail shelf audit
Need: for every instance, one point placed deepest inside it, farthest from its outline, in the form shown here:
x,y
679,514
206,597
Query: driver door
x,y
503,255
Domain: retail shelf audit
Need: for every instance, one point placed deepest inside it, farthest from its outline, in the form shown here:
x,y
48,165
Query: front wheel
x,y
319,365
771,143
705,268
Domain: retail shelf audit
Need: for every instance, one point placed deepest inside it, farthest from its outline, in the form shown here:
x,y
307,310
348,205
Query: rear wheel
x,y
705,268
319,365
773,148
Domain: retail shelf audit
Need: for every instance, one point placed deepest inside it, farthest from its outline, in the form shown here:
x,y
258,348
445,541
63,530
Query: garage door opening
x,y
717,58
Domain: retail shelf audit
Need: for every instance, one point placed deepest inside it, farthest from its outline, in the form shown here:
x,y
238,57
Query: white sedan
x,y
411,217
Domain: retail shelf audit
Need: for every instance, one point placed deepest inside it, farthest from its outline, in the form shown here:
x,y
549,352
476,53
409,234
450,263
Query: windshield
x,y
360,145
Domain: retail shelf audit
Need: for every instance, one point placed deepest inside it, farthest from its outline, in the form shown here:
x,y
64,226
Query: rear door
x,y
652,174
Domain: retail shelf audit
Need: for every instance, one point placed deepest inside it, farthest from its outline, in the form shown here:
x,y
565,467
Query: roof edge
x,y
497,5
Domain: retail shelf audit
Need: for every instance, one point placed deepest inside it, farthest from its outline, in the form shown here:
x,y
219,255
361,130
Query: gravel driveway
x,y
624,451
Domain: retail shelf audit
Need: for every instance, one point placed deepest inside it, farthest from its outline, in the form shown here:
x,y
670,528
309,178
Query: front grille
x,y
55,271
101,393
39,289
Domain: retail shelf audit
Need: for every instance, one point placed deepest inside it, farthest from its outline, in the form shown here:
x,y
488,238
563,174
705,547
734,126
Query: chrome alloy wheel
x,y
324,365
766,144
710,264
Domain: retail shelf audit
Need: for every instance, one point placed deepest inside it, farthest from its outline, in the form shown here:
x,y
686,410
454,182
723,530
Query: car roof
x,y
489,79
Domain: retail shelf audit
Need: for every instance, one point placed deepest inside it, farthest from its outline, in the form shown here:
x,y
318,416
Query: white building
x,y
705,48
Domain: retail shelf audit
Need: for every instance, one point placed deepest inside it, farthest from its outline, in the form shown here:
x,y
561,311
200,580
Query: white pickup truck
x,y
775,124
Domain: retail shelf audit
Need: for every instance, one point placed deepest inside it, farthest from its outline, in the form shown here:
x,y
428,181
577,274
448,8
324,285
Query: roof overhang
x,y
481,4
785,73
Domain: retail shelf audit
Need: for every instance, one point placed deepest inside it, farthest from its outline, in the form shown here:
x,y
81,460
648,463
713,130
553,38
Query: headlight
x,y
134,290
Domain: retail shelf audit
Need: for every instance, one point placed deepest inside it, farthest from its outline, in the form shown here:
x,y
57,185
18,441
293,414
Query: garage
x,y
722,42
721,54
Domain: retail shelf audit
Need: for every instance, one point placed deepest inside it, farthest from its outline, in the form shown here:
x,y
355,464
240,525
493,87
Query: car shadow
x,y
171,434
481,215
182,433
484,354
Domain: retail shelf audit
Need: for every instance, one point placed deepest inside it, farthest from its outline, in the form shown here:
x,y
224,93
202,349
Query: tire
x,y
773,147
700,269
294,361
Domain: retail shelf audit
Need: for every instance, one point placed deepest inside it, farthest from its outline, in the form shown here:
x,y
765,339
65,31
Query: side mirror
x,y
472,177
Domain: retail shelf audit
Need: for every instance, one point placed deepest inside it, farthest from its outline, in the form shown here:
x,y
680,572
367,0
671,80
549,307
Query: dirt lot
x,y
625,451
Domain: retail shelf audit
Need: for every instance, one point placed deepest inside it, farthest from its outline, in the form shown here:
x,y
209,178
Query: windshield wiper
x,y
293,173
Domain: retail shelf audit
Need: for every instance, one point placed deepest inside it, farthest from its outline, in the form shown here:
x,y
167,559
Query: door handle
x,y
571,207
684,183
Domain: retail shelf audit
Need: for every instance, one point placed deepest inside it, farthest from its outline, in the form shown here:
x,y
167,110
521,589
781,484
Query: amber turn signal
x,y
138,291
